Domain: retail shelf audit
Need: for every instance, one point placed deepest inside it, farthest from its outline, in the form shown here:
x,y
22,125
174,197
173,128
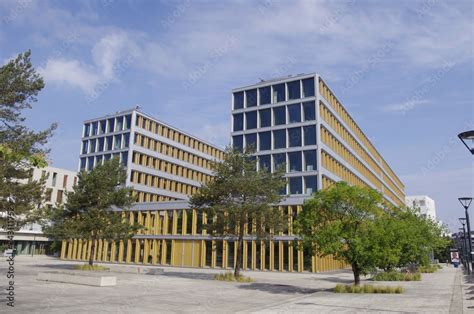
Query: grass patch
x,y
231,277
88,267
396,276
368,289
429,269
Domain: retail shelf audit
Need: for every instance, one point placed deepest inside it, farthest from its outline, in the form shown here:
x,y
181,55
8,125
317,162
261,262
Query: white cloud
x,y
405,106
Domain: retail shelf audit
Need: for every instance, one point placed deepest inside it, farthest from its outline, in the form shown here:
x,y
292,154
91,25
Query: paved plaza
x,y
181,290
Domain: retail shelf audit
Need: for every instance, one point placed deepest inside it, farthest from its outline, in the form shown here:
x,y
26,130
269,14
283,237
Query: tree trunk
x,y
238,263
356,272
91,258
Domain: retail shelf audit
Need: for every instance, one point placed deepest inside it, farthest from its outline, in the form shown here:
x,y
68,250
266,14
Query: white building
x,y
30,239
425,204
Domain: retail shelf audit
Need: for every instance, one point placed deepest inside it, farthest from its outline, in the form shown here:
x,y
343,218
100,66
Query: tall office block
x,y
162,162
298,123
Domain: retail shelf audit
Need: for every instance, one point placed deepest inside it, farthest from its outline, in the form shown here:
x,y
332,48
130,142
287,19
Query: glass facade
x,y
294,113
279,115
294,137
279,93
265,95
310,160
309,111
295,163
265,140
265,118
279,139
308,87
251,120
251,140
294,90
309,135
238,100
251,97
296,186
310,184
265,162
238,121
279,160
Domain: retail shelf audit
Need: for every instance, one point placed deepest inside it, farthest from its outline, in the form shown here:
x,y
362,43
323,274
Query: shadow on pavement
x,y
280,289
335,280
58,266
184,275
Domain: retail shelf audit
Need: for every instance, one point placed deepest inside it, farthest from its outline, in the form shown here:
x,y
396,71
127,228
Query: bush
x,y
396,276
231,277
429,269
367,289
88,267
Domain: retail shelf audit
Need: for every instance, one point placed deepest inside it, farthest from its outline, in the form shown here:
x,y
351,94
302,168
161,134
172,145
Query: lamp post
x,y
463,244
466,202
465,137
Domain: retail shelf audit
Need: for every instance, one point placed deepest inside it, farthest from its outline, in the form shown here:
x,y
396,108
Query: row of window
x,y
274,116
168,150
275,93
162,183
292,161
151,197
174,135
49,196
284,138
334,166
106,143
88,163
164,166
110,125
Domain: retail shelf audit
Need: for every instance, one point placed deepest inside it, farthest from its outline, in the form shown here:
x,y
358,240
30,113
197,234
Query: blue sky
x,y
404,70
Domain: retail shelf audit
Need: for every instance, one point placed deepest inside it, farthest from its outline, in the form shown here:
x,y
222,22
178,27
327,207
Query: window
x,y
251,120
49,195
251,140
294,137
85,147
238,100
55,176
265,140
126,140
102,126
117,141
59,197
279,139
279,115
265,118
107,156
265,162
94,128
294,113
265,95
279,160
294,159
128,122
310,184
251,97
100,144
92,150
294,90
238,122
310,160
90,163
309,135
65,181
279,93
111,124
98,159
296,186
74,182
109,143
309,111
124,157
119,124
238,142
87,129
308,87
83,163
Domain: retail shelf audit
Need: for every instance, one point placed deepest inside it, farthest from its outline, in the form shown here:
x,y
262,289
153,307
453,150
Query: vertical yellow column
x,y
290,255
105,250
99,250
154,256
272,256
203,253
79,249
254,255
175,222
213,254
262,255
148,223
85,244
113,251
74,248
128,257
280,255
236,248
313,264
146,251
157,227
89,249
173,248
184,222
244,255
69,249
194,222
224,254
63,248
163,252
138,250
120,252
165,223
300,257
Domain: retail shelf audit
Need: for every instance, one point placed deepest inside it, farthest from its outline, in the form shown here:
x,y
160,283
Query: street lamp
x,y
466,202
463,244
465,137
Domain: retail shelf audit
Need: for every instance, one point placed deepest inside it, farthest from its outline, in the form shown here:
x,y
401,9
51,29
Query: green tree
x,y
21,149
240,196
88,213
339,221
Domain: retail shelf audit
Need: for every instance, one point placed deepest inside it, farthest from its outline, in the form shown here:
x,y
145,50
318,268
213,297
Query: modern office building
x,y
30,239
297,122
424,203
162,162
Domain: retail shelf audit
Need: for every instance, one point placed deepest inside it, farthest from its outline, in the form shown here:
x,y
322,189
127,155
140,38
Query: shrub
x,y
429,268
88,267
396,276
367,289
231,277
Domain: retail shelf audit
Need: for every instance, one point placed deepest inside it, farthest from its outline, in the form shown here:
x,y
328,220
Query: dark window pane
x,y
251,96
238,142
102,127
310,160
83,163
119,125
100,144
126,140
279,160
265,118
294,113
265,96
265,140
85,147
294,137
87,130
279,139
111,125
294,90
296,186
309,135
294,159
92,144
109,142
310,184
251,120
90,163
309,111
107,156
251,140
238,100
265,162
94,128
128,122
279,115
279,93
308,87
124,158
238,122
118,142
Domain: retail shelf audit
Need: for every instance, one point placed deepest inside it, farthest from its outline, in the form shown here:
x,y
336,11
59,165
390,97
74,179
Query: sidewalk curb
x,y
457,297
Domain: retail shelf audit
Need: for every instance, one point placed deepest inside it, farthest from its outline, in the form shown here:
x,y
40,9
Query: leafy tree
x,y
21,149
340,221
240,196
88,212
